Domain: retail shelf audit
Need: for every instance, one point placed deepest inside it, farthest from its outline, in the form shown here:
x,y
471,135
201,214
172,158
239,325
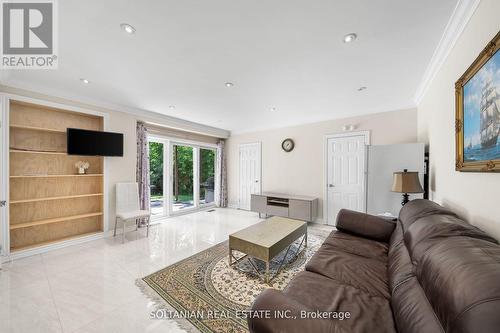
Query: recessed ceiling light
x,y
127,28
171,107
229,84
85,81
350,37
362,88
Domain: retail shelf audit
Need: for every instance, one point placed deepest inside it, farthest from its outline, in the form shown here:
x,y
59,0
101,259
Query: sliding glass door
x,y
206,175
157,179
182,177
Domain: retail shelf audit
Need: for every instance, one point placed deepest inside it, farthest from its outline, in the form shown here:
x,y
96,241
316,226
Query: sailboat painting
x,y
482,113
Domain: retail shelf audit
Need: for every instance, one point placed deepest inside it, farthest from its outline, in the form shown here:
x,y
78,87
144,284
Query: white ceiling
x,y
286,54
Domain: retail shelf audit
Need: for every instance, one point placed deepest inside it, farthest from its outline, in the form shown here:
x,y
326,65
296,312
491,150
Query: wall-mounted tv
x,y
94,143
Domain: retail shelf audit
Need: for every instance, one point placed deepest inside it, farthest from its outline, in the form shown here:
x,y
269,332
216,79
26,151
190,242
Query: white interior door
x,y
250,173
345,174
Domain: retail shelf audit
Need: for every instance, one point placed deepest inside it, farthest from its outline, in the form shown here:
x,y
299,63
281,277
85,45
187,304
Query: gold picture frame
x,y
475,147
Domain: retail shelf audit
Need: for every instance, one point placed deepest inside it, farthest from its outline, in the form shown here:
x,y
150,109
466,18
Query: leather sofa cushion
x,y
456,269
321,293
461,279
356,245
412,311
365,225
438,227
361,272
418,208
400,267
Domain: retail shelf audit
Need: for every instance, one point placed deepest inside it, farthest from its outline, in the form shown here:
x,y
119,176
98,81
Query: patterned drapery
x,y
142,171
221,179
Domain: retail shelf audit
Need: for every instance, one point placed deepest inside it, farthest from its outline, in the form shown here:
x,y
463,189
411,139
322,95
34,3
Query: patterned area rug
x,y
204,290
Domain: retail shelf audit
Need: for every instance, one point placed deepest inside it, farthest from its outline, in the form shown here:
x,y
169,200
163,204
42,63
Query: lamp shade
x,y
406,182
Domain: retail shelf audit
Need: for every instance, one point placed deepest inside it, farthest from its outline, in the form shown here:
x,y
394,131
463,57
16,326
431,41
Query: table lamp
x,y
406,182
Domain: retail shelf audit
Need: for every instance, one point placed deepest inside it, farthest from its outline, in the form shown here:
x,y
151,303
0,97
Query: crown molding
x,y
141,114
456,24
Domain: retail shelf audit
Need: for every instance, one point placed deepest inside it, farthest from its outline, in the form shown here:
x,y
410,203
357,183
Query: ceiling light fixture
x,y
171,107
362,88
348,127
273,109
229,84
127,28
350,37
85,81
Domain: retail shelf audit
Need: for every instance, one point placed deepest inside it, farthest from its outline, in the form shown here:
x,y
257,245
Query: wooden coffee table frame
x,y
265,240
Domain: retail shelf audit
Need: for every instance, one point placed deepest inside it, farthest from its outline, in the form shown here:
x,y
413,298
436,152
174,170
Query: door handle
x,y
3,203
331,185
256,181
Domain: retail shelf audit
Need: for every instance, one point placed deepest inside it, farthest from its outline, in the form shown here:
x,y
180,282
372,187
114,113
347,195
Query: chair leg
x,y
137,221
147,228
116,221
123,233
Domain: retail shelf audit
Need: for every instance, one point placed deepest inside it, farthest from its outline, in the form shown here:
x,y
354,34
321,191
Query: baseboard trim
x,y
51,247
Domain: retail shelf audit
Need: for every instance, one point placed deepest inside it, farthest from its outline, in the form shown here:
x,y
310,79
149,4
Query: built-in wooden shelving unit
x,y
56,198
37,152
49,202
57,176
41,243
33,128
54,220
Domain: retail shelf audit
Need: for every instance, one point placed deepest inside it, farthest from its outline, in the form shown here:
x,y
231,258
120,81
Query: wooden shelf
x,y
57,198
50,201
54,220
56,176
38,152
54,241
42,129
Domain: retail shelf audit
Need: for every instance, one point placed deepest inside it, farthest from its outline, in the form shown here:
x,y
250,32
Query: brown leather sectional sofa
x,y
428,272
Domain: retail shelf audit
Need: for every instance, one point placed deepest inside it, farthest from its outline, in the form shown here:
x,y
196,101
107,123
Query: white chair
x,y
127,206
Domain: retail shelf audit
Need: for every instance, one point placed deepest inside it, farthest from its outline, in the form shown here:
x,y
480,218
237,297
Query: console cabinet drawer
x,y
277,210
300,210
258,203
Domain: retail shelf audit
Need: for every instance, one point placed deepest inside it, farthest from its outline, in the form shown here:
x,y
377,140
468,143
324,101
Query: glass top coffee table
x,y
265,240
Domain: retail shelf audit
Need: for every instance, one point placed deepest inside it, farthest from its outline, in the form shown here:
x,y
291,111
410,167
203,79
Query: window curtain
x,y
221,179
142,172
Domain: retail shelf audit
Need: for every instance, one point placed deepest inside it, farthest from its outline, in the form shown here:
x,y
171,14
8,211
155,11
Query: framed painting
x,y
477,108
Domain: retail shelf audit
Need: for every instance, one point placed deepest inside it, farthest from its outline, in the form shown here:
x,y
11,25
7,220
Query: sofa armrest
x,y
365,225
272,302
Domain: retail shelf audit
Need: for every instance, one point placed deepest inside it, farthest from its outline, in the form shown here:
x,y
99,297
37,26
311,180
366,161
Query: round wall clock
x,y
288,145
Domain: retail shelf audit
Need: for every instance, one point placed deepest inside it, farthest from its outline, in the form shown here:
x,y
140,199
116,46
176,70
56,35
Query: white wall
x,y
473,195
301,171
121,169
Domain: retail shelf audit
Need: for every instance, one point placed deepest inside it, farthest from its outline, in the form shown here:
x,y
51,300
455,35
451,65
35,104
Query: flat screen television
x,y
94,143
